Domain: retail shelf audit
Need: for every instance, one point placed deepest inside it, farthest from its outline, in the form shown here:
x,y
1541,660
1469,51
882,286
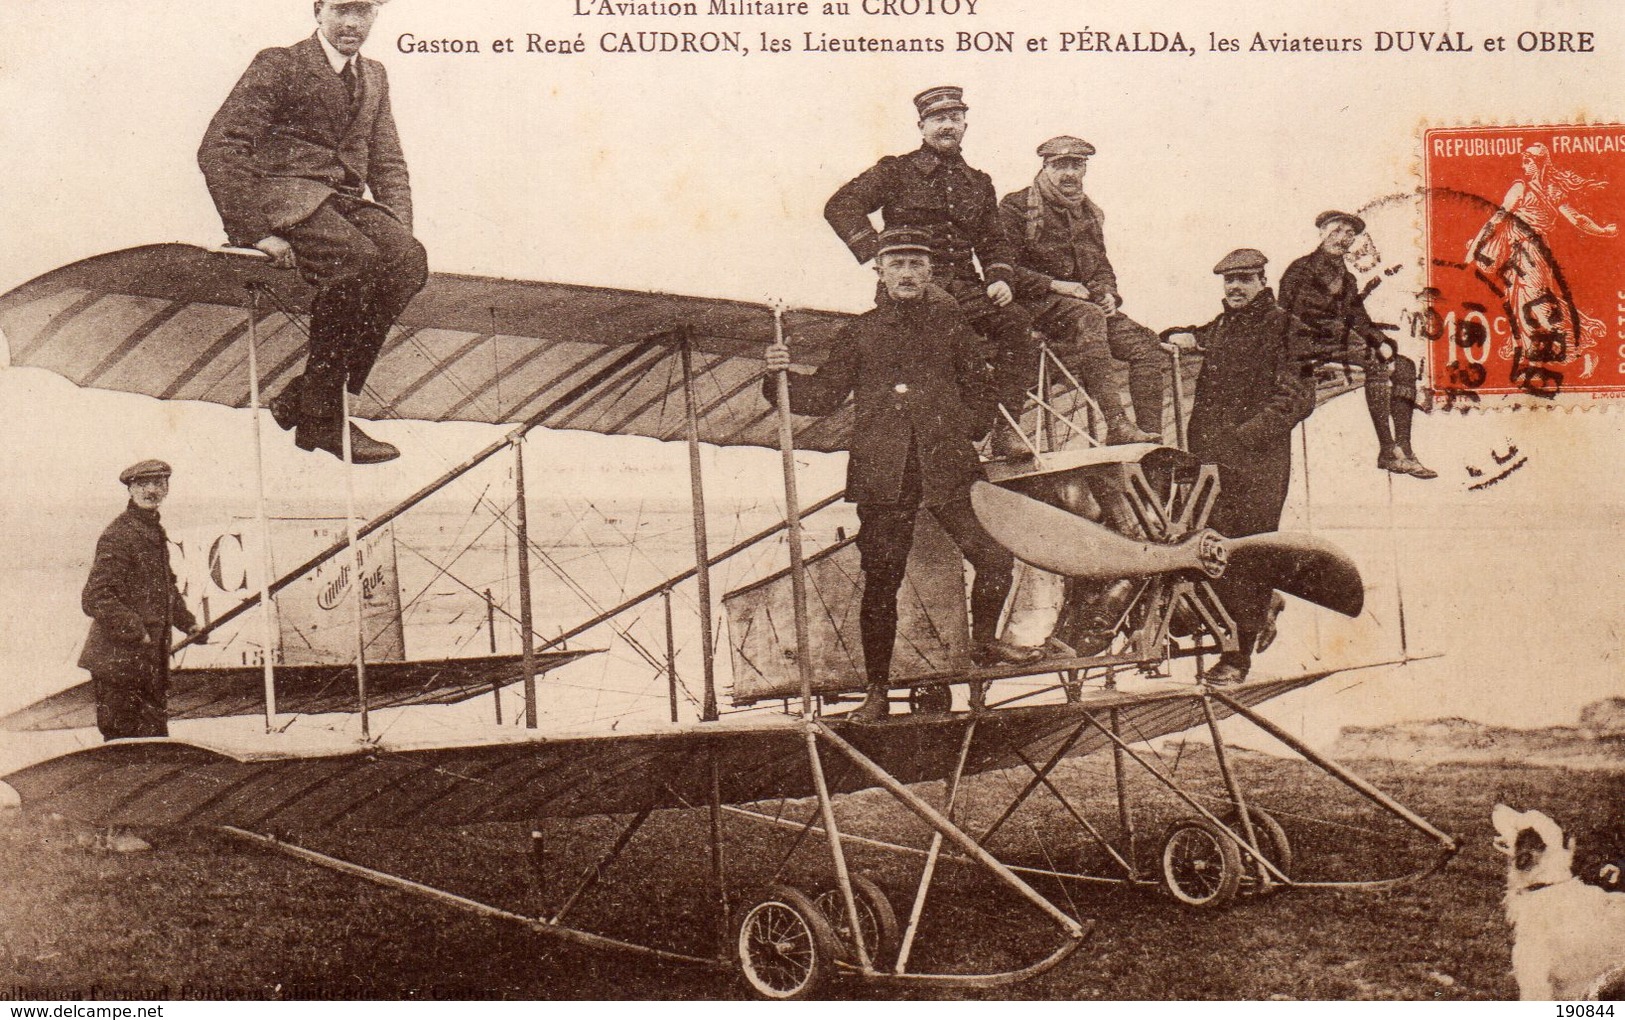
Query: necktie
x,y
348,74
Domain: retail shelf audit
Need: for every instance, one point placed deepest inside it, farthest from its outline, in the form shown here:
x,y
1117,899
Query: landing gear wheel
x,y
876,920
786,947
1201,866
1272,842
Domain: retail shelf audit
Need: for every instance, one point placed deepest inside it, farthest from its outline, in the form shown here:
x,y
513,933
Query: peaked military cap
x,y
145,469
898,239
942,97
1063,146
1331,215
1242,260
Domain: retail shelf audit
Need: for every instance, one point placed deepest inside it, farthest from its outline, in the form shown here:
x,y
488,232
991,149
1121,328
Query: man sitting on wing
x,y
921,395
935,189
1320,292
1256,384
304,164
1066,282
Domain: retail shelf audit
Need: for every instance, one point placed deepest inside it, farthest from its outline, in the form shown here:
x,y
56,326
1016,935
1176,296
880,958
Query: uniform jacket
x,y
922,189
287,137
919,376
131,594
1049,245
1256,384
1321,292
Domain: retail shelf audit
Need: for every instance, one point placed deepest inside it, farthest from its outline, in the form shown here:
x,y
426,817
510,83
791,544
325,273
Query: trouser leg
x,y
1009,334
993,564
1249,503
1133,343
341,261
885,535
399,273
1402,401
1079,328
132,701
1379,399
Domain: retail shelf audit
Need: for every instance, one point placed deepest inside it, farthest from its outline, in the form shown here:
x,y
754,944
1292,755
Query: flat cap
x,y
897,239
1063,146
145,469
940,98
1242,260
1333,215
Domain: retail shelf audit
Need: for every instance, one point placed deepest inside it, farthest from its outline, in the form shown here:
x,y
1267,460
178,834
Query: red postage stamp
x,y
1525,262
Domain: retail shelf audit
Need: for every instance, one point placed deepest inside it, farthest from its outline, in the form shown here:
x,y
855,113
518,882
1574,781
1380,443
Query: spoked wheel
x,y
1201,866
786,947
876,920
1272,842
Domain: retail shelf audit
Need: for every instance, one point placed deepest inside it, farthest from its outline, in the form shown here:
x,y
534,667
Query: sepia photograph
x,y
811,500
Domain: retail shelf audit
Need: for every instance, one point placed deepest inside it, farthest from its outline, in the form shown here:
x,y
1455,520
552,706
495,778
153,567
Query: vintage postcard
x,y
811,499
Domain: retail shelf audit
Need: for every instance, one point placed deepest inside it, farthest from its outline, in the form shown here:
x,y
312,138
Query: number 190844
x,y
1583,1009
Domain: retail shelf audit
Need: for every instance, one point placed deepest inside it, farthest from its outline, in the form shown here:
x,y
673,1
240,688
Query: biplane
x,y
1118,532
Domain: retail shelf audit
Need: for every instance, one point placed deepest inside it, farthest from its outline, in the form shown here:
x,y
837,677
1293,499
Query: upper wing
x,y
171,321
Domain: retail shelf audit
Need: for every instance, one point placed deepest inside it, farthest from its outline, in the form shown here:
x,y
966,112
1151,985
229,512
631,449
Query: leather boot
x,y
363,448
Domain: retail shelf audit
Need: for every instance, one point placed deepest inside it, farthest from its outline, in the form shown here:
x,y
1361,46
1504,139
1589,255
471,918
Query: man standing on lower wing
x,y
1320,292
290,160
920,391
1256,384
1068,286
934,189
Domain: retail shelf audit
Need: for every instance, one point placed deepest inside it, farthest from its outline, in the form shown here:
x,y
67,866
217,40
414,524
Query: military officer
x,y
1256,384
1068,286
920,387
1321,292
935,189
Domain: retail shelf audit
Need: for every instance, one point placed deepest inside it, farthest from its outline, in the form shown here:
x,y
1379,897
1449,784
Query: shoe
x,y
936,699
1008,444
286,408
1225,674
876,706
1415,468
1391,459
1124,432
994,652
363,448
1266,636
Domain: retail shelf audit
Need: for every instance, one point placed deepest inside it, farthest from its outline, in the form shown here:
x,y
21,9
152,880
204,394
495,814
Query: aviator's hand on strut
x,y
999,293
778,357
281,251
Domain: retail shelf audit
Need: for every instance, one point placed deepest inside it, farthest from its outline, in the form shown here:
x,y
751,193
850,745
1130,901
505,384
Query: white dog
x,y
1568,937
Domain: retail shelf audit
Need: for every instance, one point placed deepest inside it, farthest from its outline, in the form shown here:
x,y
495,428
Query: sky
x,y
707,175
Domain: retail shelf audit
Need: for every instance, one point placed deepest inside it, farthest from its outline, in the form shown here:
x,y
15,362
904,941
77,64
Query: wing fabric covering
x,y
169,783
171,321
300,690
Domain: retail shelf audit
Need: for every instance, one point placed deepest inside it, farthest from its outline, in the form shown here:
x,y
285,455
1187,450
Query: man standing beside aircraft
x,y
934,189
920,389
1256,384
133,603
289,159
1067,284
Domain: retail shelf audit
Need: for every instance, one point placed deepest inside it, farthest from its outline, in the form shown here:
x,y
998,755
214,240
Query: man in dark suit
x,y
1257,382
919,382
1321,293
290,159
133,602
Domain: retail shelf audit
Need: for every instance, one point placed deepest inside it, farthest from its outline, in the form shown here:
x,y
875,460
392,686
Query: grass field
x,y
206,916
